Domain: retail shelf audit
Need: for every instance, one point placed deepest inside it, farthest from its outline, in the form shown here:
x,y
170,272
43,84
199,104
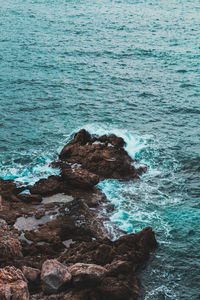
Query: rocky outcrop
x,y
102,269
54,276
13,284
131,248
85,161
104,156
62,246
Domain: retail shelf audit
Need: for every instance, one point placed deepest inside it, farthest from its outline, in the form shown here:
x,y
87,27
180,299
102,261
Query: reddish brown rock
x,y
79,177
54,276
31,274
104,156
13,284
30,198
86,274
131,248
47,187
9,190
10,246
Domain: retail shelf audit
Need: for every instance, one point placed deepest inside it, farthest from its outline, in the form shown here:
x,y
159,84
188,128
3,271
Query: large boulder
x,y
120,261
13,284
10,246
104,156
54,276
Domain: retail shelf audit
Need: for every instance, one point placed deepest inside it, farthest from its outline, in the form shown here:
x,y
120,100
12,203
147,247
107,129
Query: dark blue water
x,y
129,67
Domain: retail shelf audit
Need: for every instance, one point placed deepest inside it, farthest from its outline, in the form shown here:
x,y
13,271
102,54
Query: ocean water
x,y
129,67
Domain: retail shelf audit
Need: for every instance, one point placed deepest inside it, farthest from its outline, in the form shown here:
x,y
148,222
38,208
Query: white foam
x,y
134,142
26,174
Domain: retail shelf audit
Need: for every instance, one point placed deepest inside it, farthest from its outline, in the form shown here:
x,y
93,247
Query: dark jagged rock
x,y
79,177
47,187
104,156
134,248
9,190
30,198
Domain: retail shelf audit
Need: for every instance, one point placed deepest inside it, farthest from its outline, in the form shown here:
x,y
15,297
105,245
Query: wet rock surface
x,y
57,229
104,156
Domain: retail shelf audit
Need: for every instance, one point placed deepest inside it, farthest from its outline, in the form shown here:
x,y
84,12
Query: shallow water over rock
x,y
58,198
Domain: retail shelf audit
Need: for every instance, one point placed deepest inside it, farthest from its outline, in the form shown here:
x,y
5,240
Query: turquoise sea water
x,y
128,67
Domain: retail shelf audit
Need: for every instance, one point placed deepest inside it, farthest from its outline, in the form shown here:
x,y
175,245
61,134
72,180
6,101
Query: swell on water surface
x,y
126,67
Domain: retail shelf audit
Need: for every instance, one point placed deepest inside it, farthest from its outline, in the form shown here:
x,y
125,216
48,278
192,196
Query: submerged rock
x,y
13,284
54,276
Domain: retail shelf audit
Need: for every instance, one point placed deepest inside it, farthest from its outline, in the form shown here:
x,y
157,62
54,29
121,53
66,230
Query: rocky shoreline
x,y
53,243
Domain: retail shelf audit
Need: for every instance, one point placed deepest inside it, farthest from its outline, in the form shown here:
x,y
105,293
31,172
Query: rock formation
x,y
53,243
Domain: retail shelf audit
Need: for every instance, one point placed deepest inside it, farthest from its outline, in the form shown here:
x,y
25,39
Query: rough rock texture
x,y
75,221
47,187
104,156
57,236
79,177
54,276
131,248
10,246
13,284
86,274
121,259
